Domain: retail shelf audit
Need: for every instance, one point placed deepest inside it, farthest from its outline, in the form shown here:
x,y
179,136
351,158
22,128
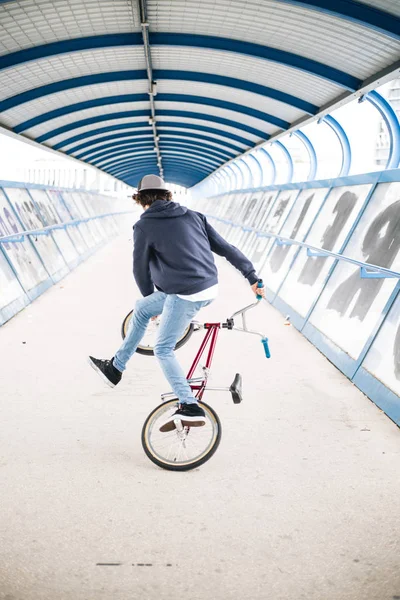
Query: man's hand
x,y
258,291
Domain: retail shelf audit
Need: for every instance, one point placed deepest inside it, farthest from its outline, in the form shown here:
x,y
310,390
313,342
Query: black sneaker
x,y
106,370
191,415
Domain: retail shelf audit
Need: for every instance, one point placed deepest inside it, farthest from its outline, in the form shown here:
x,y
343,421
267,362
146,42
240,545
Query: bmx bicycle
x,y
184,447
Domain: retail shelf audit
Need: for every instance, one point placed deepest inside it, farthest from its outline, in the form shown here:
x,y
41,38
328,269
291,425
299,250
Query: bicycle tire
x,y
171,466
149,351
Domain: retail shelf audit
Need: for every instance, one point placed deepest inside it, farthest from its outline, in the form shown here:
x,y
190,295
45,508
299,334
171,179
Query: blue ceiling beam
x,y
355,12
142,125
271,163
392,123
105,149
78,107
112,149
163,125
129,114
125,167
343,141
188,178
131,98
289,159
159,74
311,153
115,142
123,163
289,59
196,160
222,146
146,113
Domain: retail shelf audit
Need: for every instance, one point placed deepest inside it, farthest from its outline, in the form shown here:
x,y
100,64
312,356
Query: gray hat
x,y
151,182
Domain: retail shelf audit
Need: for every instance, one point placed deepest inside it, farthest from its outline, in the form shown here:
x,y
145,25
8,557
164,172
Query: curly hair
x,y
147,197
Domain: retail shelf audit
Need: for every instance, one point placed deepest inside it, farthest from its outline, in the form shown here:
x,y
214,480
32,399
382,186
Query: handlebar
x,y
244,328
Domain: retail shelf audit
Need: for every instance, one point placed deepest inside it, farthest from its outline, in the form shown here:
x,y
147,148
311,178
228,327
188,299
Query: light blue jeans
x,y
176,315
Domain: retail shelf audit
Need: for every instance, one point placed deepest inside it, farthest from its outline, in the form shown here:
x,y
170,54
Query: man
x,y
173,249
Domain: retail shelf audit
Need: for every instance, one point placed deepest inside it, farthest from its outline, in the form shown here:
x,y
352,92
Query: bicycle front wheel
x,y
180,450
148,342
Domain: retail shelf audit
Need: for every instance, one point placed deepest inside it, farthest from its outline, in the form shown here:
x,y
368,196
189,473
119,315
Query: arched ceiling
x,y
76,75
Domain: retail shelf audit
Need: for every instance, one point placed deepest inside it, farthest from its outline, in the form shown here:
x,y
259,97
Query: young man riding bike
x,y
173,249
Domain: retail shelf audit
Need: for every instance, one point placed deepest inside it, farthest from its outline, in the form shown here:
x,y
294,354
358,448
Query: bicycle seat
x,y
236,389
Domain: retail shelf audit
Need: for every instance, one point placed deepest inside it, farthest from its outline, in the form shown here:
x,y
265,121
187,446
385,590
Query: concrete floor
x,y
301,499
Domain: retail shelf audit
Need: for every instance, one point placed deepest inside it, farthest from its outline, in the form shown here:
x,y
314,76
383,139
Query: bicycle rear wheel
x,y
148,342
180,451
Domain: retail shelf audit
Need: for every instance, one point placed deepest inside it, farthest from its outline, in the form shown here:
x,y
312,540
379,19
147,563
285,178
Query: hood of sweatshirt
x,y
164,209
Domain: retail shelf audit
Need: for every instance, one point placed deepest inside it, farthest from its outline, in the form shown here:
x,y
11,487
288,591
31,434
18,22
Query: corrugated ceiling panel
x,y
220,92
64,136
245,134
28,110
35,22
333,41
31,75
217,112
272,74
88,113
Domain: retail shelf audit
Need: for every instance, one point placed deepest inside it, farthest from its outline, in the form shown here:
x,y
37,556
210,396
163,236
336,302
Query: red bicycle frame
x,y
209,339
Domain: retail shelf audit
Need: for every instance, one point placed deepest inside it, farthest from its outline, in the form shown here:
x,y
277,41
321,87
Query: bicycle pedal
x,y
236,389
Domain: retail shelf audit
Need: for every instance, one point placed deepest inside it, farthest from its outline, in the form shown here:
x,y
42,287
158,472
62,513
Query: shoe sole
x,y
186,422
104,378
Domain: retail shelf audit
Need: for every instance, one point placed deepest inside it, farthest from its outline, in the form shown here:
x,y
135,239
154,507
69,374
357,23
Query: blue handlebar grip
x,y
266,347
260,284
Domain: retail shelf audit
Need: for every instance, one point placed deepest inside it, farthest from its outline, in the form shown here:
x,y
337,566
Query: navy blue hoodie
x,y
173,249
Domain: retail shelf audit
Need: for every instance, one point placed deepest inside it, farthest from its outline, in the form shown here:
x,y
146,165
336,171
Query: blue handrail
x,y
20,236
367,270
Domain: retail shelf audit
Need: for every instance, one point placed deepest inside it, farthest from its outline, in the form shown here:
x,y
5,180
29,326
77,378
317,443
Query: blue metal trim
x,y
355,12
111,149
132,98
183,39
229,180
119,142
177,176
99,157
233,106
78,107
332,351
260,169
165,113
272,164
207,117
126,165
127,170
344,143
98,119
106,163
239,162
167,150
242,179
313,250
288,158
273,54
311,153
392,123
222,146
382,396
159,74
374,177
235,182
167,125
